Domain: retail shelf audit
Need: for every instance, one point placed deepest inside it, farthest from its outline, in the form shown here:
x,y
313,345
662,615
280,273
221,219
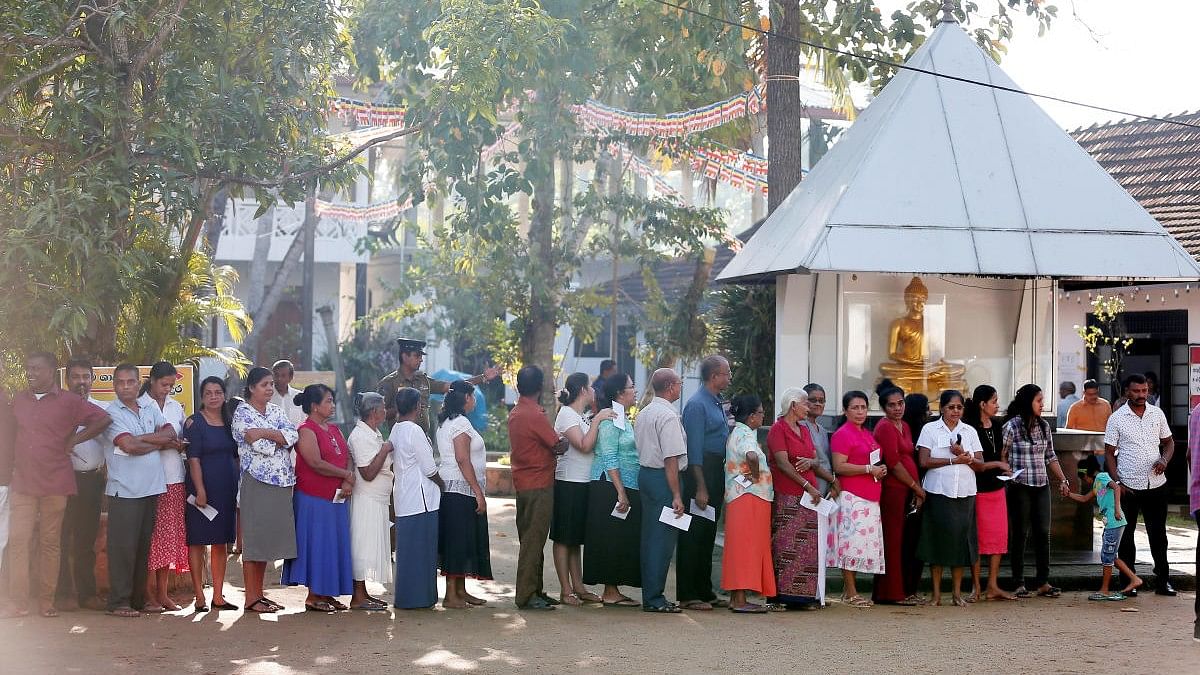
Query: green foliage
x,y
744,328
495,436
368,356
1107,340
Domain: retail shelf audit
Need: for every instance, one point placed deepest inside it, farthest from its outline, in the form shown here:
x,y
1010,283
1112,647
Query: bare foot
x,y
455,604
1000,594
1136,582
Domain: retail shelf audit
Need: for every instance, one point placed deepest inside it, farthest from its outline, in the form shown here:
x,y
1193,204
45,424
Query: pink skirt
x,y
168,544
991,521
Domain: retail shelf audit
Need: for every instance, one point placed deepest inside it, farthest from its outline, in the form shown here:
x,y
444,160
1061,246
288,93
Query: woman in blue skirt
x,y
416,496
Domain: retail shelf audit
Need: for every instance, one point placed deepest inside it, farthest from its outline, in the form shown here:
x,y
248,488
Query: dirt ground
x,y
1067,635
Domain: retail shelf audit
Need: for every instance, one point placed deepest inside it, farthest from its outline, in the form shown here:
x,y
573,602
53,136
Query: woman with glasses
x,y
820,437
948,448
746,565
858,461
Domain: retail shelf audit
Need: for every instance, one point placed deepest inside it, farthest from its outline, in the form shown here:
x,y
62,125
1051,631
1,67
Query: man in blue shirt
x,y
707,423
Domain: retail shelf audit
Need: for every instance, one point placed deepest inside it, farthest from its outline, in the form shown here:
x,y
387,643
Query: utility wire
x,y
915,69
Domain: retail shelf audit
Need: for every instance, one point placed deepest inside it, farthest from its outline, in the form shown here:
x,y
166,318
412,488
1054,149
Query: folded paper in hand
x,y
708,513
619,411
617,514
668,516
1016,473
826,506
208,511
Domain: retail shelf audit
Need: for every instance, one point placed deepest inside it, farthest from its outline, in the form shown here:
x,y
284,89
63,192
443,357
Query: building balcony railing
x,y
337,239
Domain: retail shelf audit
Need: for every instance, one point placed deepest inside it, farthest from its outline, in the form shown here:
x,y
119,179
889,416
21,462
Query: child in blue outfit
x,y
1108,498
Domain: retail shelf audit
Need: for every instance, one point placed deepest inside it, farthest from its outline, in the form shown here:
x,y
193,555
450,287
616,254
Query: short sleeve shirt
x,y
287,403
742,442
89,455
1106,500
857,445
365,443
659,434
265,460
41,459
955,480
575,465
448,469
707,423
1137,441
134,476
414,493
172,460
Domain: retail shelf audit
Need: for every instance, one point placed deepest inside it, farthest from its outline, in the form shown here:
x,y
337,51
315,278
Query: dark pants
x,y
1152,505
658,538
77,566
693,566
1029,510
130,525
534,511
1197,607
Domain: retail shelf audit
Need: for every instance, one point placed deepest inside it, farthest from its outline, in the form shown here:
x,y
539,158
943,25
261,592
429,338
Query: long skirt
x,y
991,521
794,544
612,547
416,561
268,521
322,561
746,563
168,544
893,506
948,536
370,539
463,546
859,535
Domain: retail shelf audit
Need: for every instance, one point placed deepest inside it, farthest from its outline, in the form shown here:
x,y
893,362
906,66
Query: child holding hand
x,y
1108,498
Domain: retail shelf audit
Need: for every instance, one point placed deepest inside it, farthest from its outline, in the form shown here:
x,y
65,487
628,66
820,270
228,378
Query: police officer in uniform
x,y
409,374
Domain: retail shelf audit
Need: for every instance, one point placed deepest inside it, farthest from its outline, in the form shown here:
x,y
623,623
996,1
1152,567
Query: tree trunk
x,y
273,294
537,343
784,110
256,284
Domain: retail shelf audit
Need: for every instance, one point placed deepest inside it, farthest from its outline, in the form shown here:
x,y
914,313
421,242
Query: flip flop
x,y
572,599
749,608
268,607
49,612
126,612
587,596
719,603
153,609
200,609
1023,592
663,609
1116,597
224,605
1052,592
371,607
699,606
333,602
320,606
1097,596
623,602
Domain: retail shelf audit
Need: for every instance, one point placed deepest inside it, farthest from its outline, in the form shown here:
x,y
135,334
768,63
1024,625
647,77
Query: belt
x,y
90,471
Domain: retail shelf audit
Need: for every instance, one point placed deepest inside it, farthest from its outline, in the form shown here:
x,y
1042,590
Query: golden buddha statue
x,y
910,368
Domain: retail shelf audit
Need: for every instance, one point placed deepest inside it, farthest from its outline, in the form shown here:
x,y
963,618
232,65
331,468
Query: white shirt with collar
x,y
89,455
955,480
1137,441
295,413
172,460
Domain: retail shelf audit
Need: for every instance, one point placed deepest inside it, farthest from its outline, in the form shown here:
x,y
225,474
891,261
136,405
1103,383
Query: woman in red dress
x,y
896,585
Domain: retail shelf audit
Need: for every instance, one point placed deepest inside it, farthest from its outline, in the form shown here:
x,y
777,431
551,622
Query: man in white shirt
x,y
1138,446
81,522
283,372
662,454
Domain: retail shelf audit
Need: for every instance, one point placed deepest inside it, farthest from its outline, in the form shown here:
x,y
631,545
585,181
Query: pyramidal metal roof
x,y
939,176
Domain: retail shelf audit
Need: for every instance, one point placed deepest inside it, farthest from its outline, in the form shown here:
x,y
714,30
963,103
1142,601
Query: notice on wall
x,y
1194,375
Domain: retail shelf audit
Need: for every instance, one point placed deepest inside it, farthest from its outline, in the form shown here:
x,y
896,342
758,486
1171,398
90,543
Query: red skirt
x,y
746,564
991,520
168,544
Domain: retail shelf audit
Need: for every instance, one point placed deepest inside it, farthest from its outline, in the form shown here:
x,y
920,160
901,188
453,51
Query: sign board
x,y
102,388
1193,376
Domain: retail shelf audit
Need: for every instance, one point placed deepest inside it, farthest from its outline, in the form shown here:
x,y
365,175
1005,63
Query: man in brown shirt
x,y
535,450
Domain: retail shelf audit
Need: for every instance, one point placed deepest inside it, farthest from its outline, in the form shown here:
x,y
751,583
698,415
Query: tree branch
x,y
156,45
40,72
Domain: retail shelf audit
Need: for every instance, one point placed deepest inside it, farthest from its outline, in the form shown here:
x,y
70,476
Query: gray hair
x,y
369,402
791,395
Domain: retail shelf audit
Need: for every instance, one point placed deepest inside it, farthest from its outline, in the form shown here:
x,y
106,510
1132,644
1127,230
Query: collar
x,y
525,402
1126,410
54,390
141,404
662,401
942,423
367,428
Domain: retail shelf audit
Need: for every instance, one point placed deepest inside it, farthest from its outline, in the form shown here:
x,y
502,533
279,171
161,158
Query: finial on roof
x,y
948,12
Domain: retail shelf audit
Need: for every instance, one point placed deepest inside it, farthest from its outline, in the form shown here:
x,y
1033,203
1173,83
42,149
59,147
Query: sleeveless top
x,y
334,449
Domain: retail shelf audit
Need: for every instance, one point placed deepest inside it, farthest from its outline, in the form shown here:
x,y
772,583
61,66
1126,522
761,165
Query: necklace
x,y
337,447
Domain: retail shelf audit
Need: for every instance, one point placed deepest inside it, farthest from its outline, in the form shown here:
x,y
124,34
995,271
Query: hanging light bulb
x,y
1187,288
1147,297
1164,299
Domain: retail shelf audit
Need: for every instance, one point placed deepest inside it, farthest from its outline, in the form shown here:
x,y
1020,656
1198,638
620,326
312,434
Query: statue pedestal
x,y
1070,522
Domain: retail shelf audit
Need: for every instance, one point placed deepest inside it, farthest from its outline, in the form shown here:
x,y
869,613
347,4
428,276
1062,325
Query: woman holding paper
x,y
991,507
370,526
902,492
948,449
746,565
211,482
857,540
795,528
612,543
324,480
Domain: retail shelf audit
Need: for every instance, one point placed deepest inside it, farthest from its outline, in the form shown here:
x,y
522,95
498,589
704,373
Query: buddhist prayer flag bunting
x,y
367,114
673,124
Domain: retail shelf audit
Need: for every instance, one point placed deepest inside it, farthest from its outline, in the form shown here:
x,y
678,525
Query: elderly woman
x,y
264,437
417,495
795,538
168,544
948,448
902,492
370,526
820,437
462,519
746,565
858,461
324,480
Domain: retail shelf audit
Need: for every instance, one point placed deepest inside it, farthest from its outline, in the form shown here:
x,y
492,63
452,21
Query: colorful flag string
x,y
673,124
367,114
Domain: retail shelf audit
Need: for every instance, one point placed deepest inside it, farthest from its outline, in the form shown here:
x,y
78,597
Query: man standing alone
x,y
535,450
707,424
662,454
77,566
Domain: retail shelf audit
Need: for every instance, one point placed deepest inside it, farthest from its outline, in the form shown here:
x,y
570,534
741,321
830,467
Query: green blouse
x,y
615,449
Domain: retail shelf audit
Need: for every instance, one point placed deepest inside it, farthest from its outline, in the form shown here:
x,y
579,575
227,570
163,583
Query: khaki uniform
x,y
394,381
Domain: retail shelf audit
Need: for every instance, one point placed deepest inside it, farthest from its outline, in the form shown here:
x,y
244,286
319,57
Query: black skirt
x,y
948,534
570,513
463,545
612,546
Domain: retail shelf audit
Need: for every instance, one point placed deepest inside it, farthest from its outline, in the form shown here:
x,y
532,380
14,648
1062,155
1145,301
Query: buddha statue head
x,y
915,296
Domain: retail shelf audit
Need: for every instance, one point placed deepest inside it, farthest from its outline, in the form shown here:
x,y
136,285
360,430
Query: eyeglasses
x,y
816,401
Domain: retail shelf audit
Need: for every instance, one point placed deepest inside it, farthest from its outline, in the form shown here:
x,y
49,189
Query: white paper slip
x,y
741,479
618,514
708,513
619,411
1016,473
119,452
208,511
825,507
338,497
668,516
876,456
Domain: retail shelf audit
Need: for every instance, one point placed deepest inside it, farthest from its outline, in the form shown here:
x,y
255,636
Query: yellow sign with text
x,y
183,391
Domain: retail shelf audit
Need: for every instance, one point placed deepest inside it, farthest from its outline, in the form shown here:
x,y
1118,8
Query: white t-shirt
x,y
172,460
365,443
414,493
89,455
956,480
295,413
449,471
575,465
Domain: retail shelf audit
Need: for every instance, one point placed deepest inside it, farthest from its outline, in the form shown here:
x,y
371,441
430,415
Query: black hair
x,y
606,364
885,390
455,401
813,386
1135,378
972,409
44,357
257,374
312,396
949,395
742,407
530,380
1090,384
126,367
1021,408
576,383
226,416
158,371
80,363
407,400
853,394
281,364
709,366
916,413
1151,378
613,386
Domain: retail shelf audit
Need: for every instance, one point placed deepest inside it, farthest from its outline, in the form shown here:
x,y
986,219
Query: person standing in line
x,y
81,522
857,539
1194,495
47,427
746,564
282,374
572,474
136,480
212,479
820,438
991,502
1066,398
536,447
902,493
608,368
1138,446
409,374
168,546
370,535
662,454
463,545
265,438
417,495
707,424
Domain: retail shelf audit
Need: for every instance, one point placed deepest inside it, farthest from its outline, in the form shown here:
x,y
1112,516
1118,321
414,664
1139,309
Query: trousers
x,y
693,562
130,526
658,538
45,514
1029,514
1152,505
77,563
534,511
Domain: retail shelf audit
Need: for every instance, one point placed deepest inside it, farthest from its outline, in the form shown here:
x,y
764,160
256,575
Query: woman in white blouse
x,y
947,448
370,527
463,544
417,496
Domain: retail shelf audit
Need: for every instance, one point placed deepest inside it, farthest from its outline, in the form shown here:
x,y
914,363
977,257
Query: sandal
x,y
572,599
699,605
126,612
200,609
226,605
267,606
153,609
320,606
857,601
588,596
749,608
370,606
1050,592
958,601
973,598
333,602
776,607
623,602
719,603
49,612
1116,597
1022,592
663,609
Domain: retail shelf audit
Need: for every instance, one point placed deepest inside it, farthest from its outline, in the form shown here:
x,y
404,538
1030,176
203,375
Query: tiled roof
x,y
1159,164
